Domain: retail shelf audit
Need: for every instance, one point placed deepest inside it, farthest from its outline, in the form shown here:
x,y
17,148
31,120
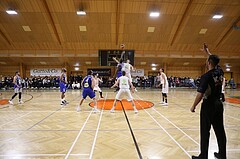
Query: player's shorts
x,y
62,87
88,92
165,90
96,88
17,90
119,74
123,92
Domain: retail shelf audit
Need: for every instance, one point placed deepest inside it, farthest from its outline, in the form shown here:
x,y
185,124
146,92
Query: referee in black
x,y
210,90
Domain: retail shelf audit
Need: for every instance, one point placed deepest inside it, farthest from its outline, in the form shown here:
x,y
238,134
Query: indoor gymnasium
x,y
119,79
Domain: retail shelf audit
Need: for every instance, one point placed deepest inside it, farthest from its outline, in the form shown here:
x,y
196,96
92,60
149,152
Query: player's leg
x,y
20,96
15,94
84,95
129,96
117,98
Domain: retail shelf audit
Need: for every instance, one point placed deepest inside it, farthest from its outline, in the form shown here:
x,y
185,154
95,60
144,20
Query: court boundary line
x,y
166,131
99,123
79,133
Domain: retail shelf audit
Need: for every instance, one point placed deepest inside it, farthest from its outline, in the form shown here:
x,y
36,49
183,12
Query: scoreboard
x,y
106,56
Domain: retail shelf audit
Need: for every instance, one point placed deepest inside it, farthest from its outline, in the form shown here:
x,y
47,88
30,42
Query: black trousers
x,y
212,114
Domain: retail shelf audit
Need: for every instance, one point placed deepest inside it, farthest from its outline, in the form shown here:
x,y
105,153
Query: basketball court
x,y
40,128
40,38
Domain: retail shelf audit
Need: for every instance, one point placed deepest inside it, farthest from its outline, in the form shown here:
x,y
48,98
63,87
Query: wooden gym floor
x,y
40,128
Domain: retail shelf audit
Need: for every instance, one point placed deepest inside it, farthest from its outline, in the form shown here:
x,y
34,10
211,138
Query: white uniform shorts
x,y
165,90
17,90
123,92
96,88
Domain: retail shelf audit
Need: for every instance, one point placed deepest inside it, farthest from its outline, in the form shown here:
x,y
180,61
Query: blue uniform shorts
x,y
63,87
88,92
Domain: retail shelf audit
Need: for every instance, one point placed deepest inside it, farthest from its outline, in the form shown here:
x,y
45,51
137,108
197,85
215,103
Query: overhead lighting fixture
x,y
154,65
81,13
186,63
26,28
43,63
151,29
77,64
143,63
154,14
11,11
76,68
3,63
88,62
217,16
82,28
154,68
203,31
227,69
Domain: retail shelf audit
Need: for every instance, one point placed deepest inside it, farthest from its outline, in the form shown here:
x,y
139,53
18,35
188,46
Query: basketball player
x,y
124,85
164,83
17,81
127,67
63,87
96,87
88,84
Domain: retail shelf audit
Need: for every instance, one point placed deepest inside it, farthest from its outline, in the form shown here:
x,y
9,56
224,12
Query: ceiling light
x,y
154,14
154,65
43,63
151,29
77,64
26,28
227,69
217,16
154,68
81,13
10,11
82,28
3,63
203,31
88,62
76,68
143,63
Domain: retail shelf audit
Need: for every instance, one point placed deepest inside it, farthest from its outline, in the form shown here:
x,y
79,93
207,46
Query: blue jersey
x,y
87,82
119,71
18,82
64,77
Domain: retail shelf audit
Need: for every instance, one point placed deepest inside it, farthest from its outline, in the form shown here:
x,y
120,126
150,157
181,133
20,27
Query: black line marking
x,y
43,119
134,139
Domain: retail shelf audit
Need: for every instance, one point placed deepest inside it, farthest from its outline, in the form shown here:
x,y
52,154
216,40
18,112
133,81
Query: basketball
x,y
122,46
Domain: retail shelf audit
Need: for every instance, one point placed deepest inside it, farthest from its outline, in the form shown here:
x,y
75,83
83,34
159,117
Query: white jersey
x,y
127,68
123,82
164,85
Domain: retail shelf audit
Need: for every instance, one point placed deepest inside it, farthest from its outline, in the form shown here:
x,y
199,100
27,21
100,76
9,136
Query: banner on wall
x,y
137,72
101,71
45,72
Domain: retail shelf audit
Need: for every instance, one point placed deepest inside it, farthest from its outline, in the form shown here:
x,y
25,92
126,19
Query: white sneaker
x,y
135,111
135,89
63,104
20,102
66,102
10,102
95,110
165,104
78,109
112,110
161,102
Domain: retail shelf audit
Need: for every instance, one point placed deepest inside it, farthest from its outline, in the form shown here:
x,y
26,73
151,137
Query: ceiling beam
x,y
180,25
117,20
52,22
5,37
228,32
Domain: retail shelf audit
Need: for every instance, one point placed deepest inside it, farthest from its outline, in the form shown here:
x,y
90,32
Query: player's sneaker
x,y
78,109
20,102
135,111
161,102
95,110
66,102
62,103
164,104
112,110
10,102
135,90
